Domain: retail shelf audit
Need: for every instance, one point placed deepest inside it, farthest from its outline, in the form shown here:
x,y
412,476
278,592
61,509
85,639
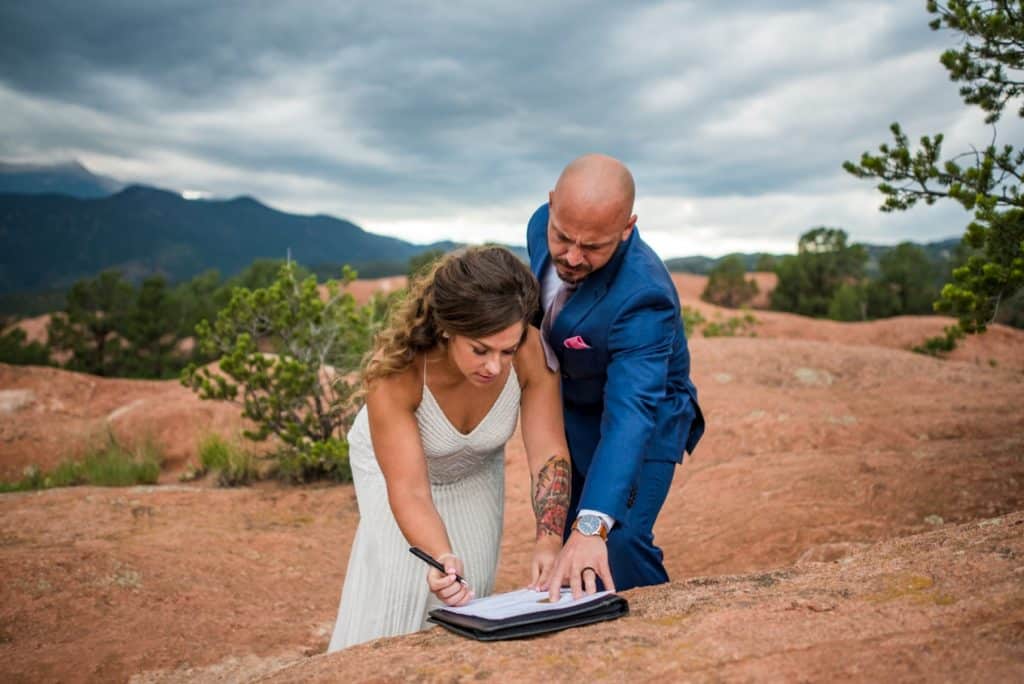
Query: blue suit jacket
x,y
628,398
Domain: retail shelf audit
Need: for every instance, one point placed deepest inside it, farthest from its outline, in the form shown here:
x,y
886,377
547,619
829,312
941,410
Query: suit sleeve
x,y
640,344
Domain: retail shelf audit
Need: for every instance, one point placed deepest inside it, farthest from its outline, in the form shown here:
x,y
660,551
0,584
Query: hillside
x,y
938,252
70,178
853,513
50,241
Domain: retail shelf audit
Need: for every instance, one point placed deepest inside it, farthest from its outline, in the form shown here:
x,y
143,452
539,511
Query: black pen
x,y
433,562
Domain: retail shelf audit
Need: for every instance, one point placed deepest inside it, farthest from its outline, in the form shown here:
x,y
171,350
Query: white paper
x,y
522,602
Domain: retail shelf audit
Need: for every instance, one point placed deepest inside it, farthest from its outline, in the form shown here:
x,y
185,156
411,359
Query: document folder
x,y
490,619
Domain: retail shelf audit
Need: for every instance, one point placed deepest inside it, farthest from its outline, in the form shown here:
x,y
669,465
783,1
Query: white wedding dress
x,y
385,591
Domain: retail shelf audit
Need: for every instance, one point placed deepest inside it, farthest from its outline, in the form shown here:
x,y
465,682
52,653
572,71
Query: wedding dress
x,y
385,591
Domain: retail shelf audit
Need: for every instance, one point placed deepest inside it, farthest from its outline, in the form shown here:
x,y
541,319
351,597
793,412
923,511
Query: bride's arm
x,y
391,403
546,451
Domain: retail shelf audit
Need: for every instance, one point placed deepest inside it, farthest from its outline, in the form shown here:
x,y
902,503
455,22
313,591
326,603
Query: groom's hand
x,y
583,559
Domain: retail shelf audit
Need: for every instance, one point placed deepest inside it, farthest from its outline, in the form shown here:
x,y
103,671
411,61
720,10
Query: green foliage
x,y
990,66
808,280
994,273
262,273
96,310
765,263
993,33
288,357
15,350
199,299
110,465
150,333
936,346
322,460
692,319
422,262
110,328
733,326
728,285
907,276
234,465
849,303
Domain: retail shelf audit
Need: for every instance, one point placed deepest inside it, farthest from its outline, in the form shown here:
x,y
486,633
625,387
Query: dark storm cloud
x,y
463,105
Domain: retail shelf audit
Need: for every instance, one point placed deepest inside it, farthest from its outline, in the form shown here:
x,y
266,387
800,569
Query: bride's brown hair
x,y
474,292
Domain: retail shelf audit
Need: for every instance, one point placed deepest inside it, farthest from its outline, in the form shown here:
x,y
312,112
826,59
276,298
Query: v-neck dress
x,y
385,591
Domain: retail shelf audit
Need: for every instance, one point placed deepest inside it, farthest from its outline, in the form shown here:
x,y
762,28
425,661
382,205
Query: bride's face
x,y
482,360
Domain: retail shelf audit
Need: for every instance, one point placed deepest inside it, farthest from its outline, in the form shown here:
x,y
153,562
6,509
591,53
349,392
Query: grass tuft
x,y
234,465
110,465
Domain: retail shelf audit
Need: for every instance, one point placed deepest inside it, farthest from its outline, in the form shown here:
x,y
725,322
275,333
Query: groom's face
x,y
581,238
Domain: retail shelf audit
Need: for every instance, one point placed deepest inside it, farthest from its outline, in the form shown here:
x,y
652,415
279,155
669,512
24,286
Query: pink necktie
x,y
561,297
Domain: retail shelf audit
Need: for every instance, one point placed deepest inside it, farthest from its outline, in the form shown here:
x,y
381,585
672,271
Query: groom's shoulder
x,y
536,230
642,265
538,224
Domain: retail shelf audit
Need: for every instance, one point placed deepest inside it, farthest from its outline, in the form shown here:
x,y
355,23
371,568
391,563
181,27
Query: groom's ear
x,y
628,230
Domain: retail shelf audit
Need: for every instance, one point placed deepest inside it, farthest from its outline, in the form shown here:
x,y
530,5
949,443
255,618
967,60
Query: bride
x,y
444,388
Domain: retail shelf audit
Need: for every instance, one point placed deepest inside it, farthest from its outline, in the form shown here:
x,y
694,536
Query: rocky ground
x,y
855,511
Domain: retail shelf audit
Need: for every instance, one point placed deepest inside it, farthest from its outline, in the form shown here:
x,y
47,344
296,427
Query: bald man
x,y
612,328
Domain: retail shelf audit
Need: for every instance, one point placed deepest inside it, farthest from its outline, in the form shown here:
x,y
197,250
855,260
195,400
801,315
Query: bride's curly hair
x,y
476,292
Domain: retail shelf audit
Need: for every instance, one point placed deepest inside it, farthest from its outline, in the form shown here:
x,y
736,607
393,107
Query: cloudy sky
x,y
452,120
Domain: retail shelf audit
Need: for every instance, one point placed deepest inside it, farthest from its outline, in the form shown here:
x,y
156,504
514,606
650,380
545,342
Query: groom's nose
x,y
574,255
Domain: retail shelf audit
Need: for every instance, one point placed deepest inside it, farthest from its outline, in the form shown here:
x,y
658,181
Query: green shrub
x,y
941,344
734,326
110,465
287,356
234,465
728,285
692,319
213,452
319,460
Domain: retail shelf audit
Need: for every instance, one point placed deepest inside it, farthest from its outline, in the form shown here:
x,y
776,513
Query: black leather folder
x,y
607,607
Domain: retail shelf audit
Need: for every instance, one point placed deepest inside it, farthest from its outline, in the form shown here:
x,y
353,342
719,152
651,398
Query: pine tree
x,y
990,67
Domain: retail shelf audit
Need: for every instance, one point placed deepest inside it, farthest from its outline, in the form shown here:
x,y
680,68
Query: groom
x,y
612,329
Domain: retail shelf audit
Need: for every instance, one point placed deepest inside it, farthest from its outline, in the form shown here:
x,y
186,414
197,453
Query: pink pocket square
x,y
575,343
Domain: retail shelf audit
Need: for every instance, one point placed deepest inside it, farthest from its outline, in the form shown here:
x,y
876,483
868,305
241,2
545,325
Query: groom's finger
x,y
606,576
555,581
576,583
589,580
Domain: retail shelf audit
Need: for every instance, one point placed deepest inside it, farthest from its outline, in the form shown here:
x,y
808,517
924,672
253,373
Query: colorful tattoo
x,y
551,496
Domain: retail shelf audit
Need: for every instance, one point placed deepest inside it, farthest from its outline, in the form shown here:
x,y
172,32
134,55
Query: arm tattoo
x,y
551,496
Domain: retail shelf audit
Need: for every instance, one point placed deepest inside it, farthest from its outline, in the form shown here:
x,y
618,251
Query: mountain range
x,y
60,223
68,178
56,231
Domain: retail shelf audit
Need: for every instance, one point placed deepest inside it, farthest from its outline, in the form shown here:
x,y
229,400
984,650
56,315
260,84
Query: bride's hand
x,y
544,555
449,590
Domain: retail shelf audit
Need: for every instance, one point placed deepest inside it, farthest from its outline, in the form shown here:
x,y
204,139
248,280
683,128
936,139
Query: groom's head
x,y
591,212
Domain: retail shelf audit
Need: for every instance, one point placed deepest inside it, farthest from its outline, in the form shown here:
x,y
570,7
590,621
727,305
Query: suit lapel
x,y
589,293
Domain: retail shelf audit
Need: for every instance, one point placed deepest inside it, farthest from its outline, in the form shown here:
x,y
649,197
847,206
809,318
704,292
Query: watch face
x,y
589,525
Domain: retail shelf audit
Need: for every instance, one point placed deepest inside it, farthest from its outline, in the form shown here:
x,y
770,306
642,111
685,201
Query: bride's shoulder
x,y
401,389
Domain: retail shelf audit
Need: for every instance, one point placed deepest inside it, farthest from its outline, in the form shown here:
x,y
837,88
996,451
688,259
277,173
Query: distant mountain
x,y
940,252
70,178
51,241
702,265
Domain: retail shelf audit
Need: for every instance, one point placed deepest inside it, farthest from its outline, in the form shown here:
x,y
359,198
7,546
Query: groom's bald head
x,y
591,212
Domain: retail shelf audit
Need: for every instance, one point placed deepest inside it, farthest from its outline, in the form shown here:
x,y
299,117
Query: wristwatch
x,y
590,525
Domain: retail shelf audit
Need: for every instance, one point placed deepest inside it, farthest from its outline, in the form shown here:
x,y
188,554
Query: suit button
x,y
565,375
